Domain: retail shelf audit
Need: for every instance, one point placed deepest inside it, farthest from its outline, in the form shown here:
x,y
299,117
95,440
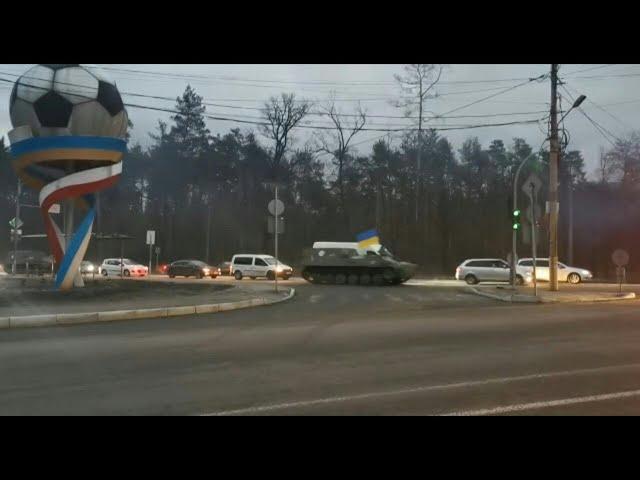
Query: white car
x,y
475,270
124,266
254,265
565,273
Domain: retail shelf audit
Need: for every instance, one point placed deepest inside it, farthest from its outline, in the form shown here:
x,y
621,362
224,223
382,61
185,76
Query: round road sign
x,y
276,207
620,257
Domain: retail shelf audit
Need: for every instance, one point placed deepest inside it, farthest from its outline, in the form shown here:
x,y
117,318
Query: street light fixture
x,y
576,104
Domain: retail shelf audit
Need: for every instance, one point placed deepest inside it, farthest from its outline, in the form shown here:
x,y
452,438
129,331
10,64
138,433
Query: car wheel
x,y
471,279
127,273
214,276
271,275
252,278
199,276
104,273
574,278
286,277
238,275
172,276
519,280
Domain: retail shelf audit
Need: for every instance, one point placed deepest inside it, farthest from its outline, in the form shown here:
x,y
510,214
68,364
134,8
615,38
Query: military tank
x,y
346,263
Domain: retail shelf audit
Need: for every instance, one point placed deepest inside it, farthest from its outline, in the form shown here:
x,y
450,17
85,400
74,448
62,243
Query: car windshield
x,y
128,261
270,260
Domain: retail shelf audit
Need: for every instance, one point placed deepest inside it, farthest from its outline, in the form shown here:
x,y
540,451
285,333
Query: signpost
x,y
621,259
151,240
276,208
531,188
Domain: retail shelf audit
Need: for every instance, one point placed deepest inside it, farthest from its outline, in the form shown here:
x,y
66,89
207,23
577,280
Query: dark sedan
x,y
225,268
191,268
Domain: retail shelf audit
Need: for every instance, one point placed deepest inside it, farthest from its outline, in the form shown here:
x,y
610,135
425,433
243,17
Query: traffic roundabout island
x,y
38,303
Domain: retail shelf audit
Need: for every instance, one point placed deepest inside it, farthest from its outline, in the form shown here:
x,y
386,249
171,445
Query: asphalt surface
x,y
426,348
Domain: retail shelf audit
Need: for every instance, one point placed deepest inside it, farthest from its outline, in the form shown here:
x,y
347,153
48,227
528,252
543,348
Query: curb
x,y
513,298
626,296
516,298
115,315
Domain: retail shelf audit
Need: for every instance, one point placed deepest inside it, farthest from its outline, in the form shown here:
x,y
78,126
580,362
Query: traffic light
x,y
516,220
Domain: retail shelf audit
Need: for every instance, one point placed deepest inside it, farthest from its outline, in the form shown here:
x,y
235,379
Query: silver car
x,y
565,273
475,270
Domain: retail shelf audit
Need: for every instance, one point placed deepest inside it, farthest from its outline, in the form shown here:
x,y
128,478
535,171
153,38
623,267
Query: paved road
x,y
420,349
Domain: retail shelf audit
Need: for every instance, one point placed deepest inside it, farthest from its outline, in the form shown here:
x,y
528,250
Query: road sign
x,y
271,225
620,257
532,180
151,237
276,207
15,223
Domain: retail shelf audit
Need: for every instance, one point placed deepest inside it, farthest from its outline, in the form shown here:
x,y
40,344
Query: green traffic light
x,y
516,226
516,213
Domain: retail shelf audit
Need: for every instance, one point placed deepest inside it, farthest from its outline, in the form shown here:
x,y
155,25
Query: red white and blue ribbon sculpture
x,y
68,168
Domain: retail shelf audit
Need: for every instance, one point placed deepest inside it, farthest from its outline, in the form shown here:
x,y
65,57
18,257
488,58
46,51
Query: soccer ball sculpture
x,y
68,142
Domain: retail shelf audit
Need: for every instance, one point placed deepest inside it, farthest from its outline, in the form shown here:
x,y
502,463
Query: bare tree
x,y
282,115
416,87
337,142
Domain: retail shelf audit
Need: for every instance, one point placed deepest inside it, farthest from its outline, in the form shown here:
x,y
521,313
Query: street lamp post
x,y
514,233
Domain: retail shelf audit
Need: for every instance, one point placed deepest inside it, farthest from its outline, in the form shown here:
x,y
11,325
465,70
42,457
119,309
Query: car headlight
x,y
586,272
90,268
205,270
279,269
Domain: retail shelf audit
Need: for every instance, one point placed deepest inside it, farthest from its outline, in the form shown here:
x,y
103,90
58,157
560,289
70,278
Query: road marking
x,y
364,396
394,298
316,298
546,404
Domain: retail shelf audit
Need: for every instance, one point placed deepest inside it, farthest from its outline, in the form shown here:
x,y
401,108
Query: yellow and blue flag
x,y
368,238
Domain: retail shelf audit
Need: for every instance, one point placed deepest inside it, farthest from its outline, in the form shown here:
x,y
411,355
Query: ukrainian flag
x,y
368,238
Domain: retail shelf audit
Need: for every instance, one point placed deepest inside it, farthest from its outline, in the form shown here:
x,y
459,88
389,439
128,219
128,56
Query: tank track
x,y
351,276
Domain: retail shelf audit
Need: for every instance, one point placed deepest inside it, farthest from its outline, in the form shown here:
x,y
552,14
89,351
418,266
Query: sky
x,y
238,91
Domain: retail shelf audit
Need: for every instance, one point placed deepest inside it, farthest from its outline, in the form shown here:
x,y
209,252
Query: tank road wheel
x,y
353,279
341,278
389,276
365,279
378,280
329,278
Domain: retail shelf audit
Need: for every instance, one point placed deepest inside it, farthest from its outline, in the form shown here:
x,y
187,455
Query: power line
x,y
173,99
297,82
601,108
496,94
596,124
592,68
316,127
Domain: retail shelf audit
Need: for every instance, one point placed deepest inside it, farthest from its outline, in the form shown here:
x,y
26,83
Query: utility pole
x,y
208,233
14,269
554,155
276,242
570,249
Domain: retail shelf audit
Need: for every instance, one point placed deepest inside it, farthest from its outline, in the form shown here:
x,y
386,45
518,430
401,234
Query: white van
x,y
253,265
